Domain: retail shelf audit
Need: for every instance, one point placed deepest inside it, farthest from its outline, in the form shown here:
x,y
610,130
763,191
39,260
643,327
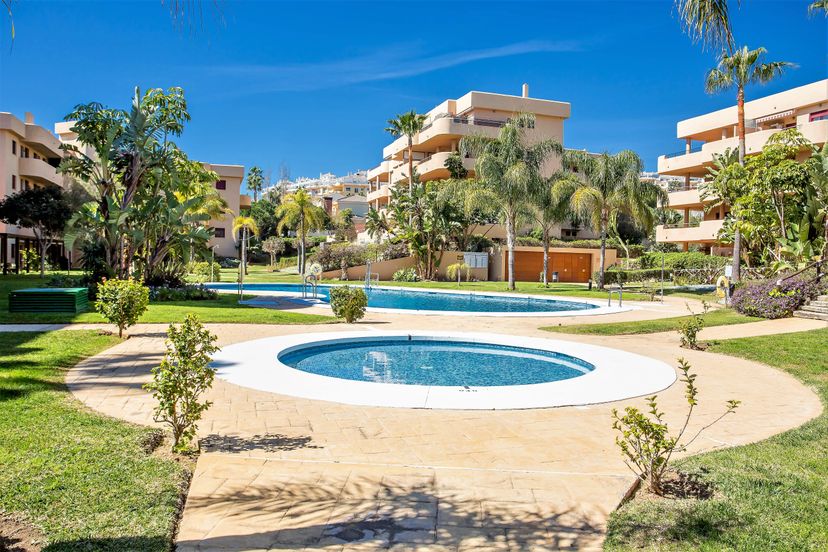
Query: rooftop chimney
x,y
525,90
29,118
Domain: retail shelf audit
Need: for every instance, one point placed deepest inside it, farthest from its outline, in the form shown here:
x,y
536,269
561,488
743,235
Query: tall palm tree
x,y
548,209
247,226
376,224
255,181
510,168
602,187
708,22
737,70
819,5
407,124
298,212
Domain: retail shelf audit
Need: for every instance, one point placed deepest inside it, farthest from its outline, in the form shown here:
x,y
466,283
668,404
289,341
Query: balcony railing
x,y
465,121
683,152
691,224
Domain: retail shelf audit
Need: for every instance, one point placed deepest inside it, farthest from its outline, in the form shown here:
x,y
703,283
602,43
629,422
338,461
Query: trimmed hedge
x,y
624,276
683,261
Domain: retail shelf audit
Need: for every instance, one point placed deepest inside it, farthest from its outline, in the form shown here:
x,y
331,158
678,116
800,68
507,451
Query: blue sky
x,y
311,84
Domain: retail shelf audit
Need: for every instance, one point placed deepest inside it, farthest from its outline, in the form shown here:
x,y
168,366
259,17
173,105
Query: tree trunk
x,y
603,252
740,113
737,255
410,166
302,245
546,257
510,245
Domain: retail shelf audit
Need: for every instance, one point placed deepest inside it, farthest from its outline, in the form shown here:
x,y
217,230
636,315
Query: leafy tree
x,y
343,225
547,210
473,202
255,181
273,246
43,209
818,194
510,168
297,212
245,226
121,302
182,378
454,164
603,187
264,213
407,124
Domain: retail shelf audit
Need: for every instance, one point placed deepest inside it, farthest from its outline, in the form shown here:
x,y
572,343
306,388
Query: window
x,y
218,232
14,147
221,185
14,182
818,116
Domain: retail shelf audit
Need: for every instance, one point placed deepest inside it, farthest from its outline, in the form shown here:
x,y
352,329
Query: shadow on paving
x,y
269,442
407,512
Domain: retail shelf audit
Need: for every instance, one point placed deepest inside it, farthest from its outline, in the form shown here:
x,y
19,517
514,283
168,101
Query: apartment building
x,y
228,186
29,156
327,183
804,108
447,123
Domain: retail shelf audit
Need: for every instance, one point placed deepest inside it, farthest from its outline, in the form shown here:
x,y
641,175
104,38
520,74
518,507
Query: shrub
x,y
228,262
621,277
766,300
645,440
184,293
182,377
690,327
479,243
348,303
204,273
406,275
683,261
65,281
333,256
122,302
454,271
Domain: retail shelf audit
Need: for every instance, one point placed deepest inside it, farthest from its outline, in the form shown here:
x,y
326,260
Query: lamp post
x,y
212,261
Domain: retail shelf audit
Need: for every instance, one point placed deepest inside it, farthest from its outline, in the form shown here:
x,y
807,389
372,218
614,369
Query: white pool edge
x,y
617,375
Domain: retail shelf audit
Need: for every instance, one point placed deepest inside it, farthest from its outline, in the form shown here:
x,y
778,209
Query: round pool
x,y
440,370
416,361
391,299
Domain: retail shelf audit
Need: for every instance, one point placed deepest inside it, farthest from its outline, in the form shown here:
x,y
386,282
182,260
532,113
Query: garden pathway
x,y
284,473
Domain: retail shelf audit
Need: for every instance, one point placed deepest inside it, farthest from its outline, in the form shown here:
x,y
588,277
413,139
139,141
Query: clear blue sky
x,y
311,84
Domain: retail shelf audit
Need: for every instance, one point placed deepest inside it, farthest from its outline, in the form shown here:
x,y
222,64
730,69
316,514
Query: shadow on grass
x,y
114,544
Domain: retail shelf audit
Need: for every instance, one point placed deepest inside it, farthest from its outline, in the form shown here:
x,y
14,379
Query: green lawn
x,y
223,309
772,495
83,479
718,317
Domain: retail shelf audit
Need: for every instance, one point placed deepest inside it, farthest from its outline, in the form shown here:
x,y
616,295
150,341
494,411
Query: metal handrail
x,y
620,292
309,279
817,278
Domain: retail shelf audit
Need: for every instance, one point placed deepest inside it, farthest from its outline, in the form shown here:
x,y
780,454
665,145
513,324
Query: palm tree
x,y
407,124
255,181
602,187
246,225
819,5
547,210
708,22
510,168
376,224
737,70
297,211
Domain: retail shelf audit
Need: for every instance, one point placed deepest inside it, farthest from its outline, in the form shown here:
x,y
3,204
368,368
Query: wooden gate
x,y
571,267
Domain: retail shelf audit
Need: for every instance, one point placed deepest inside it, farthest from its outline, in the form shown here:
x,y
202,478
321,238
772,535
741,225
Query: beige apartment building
x,y
228,186
446,124
29,156
804,108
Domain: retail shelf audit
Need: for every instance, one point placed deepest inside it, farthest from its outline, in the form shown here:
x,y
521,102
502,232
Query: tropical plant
x,y
343,225
473,203
455,167
376,224
297,212
690,327
407,124
510,168
408,274
456,270
818,6
707,21
348,303
645,440
244,227
273,246
181,379
121,302
255,181
547,210
44,209
602,187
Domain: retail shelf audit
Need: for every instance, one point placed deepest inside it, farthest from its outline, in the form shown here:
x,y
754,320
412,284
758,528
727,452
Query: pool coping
x,y
601,307
617,375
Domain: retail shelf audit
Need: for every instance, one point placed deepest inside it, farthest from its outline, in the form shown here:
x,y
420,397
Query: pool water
x,y
434,362
431,301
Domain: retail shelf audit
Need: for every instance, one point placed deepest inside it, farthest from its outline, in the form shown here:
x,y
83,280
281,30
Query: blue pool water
x,y
429,362
430,301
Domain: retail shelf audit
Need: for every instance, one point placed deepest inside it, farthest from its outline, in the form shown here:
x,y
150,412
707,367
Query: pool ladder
x,y
368,276
620,293
309,281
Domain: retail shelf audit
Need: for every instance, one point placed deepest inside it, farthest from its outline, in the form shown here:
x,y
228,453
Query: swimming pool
x,y
415,361
440,370
444,301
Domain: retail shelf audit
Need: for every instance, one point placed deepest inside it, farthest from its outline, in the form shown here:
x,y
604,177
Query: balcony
x,y
696,161
382,194
705,231
442,127
434,166
689,198
38,170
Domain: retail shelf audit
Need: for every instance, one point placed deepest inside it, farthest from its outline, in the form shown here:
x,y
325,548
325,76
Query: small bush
x,y
203,272
683,261
228,262
406,275
621,277
529,241
184,293
65,281
690,327
348,303
334,256
122,302
182,377
766,300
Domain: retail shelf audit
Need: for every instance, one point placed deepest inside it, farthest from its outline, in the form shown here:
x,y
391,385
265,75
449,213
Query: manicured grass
x,y
83,479
718,317
224,309
772,495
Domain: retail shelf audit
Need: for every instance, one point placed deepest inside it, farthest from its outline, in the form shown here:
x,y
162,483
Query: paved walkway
x,y
284,473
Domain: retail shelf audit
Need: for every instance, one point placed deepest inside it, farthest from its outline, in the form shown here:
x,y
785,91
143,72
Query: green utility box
x,y
49,300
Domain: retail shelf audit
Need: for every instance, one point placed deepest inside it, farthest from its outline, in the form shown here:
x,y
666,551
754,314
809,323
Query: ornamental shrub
x,y
348,303
406,275
182,377
184,293
121,302
766,300
203,273
624,276
683,261
690,327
